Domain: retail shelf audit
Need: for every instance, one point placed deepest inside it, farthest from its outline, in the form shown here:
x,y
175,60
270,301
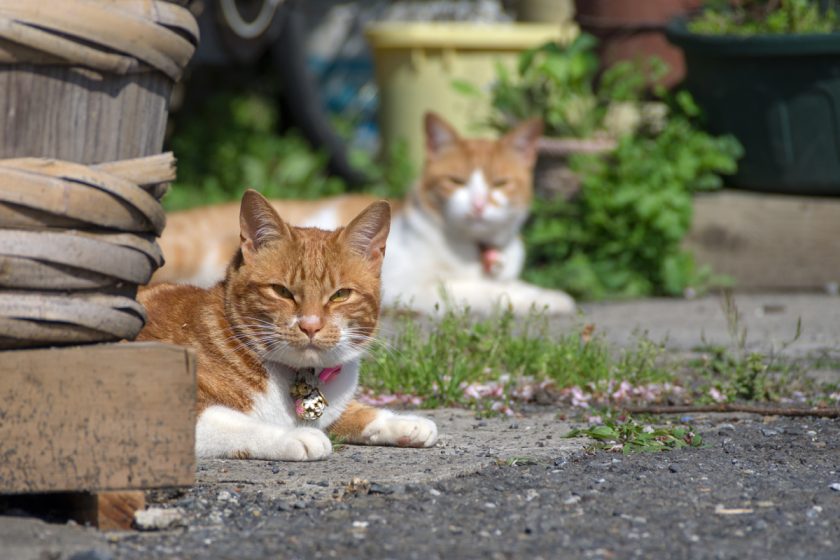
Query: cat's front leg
x,y
483,295
364,424
222,432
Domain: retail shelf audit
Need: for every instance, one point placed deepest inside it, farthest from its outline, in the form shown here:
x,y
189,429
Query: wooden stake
x,y
108,511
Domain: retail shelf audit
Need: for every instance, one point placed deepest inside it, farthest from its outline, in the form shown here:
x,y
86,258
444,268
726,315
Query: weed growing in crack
x,y
734,373
631,436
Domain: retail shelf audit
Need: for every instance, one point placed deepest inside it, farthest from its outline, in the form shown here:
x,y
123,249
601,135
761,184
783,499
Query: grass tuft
x,y
446,362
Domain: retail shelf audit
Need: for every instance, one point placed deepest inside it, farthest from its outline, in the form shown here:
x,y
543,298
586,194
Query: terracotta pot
x,y
631,30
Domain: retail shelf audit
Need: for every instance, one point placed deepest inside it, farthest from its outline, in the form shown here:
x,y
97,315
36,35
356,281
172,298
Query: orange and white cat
x,y
278,341
456,232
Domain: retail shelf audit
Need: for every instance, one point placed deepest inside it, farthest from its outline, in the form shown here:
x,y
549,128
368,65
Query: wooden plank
x,y
768,241
101,417
108,511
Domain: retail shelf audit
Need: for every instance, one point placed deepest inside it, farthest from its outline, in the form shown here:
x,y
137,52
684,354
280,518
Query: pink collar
x,y
327,374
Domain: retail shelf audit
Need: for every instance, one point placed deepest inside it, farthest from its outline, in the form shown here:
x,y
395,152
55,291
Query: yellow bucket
x,y
416,64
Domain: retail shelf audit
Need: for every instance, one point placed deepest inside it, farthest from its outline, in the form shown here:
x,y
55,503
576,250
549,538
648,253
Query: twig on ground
x,y
733,407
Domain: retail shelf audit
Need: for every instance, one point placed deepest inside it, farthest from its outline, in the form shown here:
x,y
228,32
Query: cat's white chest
x,y
275,404
419,255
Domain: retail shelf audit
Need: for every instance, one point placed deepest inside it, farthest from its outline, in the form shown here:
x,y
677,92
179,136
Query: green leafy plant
x,y
622,235
630,436
766,17
231,142
557,84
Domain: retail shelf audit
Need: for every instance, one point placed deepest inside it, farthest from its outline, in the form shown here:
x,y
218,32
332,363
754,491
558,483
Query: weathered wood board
x,y
58,112
768,241
101,417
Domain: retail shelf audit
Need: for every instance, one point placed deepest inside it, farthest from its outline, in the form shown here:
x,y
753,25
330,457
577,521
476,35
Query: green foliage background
x,y
767,17
231,142
622,235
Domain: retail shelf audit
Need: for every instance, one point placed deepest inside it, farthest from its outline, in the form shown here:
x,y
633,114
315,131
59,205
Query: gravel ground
x,y
761,488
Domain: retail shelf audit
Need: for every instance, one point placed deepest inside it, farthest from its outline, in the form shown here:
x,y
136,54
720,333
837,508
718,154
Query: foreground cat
x,y
278,341
457,231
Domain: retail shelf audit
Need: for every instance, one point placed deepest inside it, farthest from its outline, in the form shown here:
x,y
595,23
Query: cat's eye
x,y
282,291
501,183
341,295
460,181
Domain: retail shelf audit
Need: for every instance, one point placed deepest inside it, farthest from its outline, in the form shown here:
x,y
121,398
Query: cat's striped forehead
x,y
314,259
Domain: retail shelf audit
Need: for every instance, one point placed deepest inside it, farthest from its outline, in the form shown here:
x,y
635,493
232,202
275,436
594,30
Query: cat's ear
x,y
524,137
367,233
440,135
259,223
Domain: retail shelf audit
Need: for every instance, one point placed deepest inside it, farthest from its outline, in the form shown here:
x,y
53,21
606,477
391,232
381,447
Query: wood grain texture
x,y
97,418
62,113
107,511
768,241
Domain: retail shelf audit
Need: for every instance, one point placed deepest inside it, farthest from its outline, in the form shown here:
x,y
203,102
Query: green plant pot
x,y
780,96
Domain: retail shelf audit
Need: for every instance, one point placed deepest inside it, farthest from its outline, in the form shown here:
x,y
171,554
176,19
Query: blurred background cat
x,y
454,238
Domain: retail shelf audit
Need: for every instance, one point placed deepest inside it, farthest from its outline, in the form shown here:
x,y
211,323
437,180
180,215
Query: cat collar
x,y
310,402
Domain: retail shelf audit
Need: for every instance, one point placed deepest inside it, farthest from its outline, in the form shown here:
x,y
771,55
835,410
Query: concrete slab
x,y
466,446
770,320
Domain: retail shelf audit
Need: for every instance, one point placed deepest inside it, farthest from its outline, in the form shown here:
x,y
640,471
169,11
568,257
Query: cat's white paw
x,y
541,299
404,430
302,444
556,301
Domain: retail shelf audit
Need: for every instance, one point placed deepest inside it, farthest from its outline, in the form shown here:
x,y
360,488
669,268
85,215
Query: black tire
x,y
302,100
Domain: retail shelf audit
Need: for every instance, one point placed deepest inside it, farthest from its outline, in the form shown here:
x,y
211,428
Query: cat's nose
x,y
310,325
478,206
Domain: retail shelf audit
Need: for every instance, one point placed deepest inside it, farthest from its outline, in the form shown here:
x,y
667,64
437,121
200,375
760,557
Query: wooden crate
x,y
97,418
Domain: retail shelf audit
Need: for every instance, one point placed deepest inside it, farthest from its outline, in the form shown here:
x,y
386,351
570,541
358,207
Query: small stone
x,y
224,496
92,554
674,468
300,504
571,500
275,469
835,486
769,432
283,506
434,492
159,519
726,428
513,426
376,488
